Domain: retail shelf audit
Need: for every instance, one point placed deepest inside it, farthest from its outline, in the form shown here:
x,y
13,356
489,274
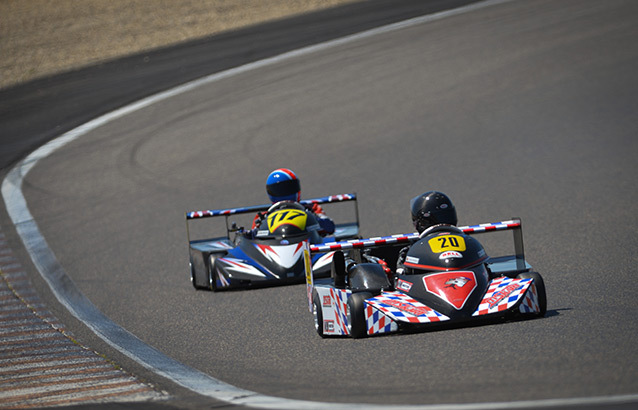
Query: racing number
x,y
444,243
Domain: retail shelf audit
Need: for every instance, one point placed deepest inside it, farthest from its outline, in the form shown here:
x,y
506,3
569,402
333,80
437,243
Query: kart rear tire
x,y
356,316
212,283
338,270
317,314
194,277
540,290
190,267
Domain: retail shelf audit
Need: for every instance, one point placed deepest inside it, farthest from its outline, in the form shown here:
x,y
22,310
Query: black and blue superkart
x,y
274,253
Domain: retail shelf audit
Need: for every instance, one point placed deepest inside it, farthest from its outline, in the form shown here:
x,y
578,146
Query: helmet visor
x,y
283,188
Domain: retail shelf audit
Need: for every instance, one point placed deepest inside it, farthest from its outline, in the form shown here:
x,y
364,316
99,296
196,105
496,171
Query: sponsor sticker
x,y
406,307
451,255
496,298
457,282
411,259
329,326
326,301
453,287
404,285
308,268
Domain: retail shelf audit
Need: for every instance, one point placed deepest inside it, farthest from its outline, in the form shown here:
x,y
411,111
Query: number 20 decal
x,y
444,243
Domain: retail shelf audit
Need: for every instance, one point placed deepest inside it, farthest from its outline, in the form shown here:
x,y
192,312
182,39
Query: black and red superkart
x,y
448,280
272,254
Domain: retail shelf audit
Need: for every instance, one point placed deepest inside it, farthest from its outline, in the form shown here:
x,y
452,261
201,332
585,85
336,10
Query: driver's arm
x,y
325,223
258,219
401,259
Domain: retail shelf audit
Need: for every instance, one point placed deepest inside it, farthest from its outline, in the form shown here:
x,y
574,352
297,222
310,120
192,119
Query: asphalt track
x,y
521,109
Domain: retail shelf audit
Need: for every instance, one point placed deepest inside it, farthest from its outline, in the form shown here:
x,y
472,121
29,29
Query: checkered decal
x,y
502,294
334,308
530,303
401,307
377,322
340,302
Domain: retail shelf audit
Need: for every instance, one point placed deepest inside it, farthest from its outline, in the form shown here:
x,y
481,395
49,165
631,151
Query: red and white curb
x,y
41,364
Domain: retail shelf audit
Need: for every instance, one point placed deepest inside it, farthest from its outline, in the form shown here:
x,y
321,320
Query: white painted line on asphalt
x,y
68,294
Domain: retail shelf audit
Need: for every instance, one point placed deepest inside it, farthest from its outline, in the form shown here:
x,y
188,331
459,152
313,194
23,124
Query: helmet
x,y
432,208
283,185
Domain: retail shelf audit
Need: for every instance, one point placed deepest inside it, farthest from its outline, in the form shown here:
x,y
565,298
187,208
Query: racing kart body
x,y
448,280
269,255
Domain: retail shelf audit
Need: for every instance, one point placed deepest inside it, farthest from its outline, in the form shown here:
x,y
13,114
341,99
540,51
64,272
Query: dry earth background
x,y
44,37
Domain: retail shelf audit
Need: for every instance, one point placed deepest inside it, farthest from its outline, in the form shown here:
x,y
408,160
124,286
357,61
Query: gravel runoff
x,y
44,37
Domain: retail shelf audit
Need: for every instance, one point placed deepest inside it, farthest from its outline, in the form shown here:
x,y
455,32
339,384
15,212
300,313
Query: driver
x,y
428,209
283,185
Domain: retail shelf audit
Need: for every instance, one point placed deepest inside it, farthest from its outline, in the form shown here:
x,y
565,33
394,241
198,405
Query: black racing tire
x,y
212,283
193,278
356,316
317,314
338,270
540,289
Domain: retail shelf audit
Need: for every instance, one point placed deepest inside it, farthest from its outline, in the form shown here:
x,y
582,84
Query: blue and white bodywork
x,y
272,253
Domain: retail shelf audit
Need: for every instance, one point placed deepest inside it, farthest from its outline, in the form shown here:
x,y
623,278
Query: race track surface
x,y
525,108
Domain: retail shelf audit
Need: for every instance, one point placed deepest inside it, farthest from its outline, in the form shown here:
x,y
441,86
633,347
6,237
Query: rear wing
x,y
514,224
259,208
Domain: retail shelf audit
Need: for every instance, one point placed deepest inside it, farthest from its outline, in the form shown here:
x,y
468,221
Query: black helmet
x,y
432,208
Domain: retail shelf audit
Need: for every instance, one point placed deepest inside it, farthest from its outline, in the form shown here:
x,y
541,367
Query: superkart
x,y
270,255
449,280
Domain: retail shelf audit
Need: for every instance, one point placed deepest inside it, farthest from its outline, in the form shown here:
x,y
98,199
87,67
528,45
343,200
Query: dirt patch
x,y
43,37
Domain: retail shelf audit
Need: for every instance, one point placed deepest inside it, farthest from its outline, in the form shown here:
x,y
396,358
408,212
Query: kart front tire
x,y
356,316
317,314
540,290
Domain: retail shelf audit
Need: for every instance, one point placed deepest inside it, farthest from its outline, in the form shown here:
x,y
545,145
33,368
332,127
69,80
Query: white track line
x,y
67,293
